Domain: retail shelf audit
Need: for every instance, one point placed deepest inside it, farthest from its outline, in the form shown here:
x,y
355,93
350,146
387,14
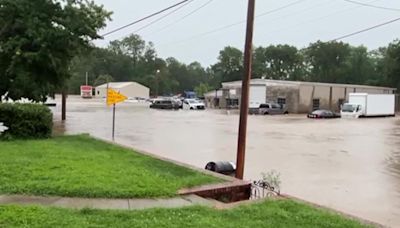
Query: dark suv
x,y
165,104
272,109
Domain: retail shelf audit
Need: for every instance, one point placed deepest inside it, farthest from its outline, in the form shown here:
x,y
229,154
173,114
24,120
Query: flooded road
x,y
349,165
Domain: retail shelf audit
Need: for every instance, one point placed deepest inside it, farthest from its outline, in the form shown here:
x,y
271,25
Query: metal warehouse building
x,y
298,97
129,89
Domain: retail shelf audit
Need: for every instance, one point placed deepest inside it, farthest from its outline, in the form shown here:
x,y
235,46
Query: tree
x,y
132,46
202,89
390,64
281,62
360,66
38,40
327,61
230,64
103,79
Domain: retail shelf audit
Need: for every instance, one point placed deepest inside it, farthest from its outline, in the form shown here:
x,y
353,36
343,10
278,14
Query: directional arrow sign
x,y
114,97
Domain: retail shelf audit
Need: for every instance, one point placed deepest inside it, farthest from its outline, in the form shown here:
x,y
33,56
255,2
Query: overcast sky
x,y
299,24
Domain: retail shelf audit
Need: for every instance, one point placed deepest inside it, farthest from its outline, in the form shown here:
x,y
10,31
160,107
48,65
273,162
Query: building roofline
x,y
235,84
118,85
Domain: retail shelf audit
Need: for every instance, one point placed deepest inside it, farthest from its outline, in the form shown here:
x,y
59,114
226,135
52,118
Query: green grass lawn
x,y
80,166
274,213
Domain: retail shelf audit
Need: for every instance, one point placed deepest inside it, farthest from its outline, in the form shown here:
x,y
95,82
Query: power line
x,y
373,6
184,17
367,29
241,22
318,19
145,18
159,19
279,8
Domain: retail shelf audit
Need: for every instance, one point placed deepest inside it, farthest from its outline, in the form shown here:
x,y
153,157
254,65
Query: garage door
x,y
258,94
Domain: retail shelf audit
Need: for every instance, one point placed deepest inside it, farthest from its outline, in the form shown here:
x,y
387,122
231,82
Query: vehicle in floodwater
x,y
323,114
368,105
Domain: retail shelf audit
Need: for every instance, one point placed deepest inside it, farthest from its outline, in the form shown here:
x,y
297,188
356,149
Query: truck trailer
x,y
369,105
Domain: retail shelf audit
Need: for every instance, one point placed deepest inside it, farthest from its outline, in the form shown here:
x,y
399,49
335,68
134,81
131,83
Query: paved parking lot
x,y
349,165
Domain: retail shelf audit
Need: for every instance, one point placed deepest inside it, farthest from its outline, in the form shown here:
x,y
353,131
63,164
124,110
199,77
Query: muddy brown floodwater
x,y
348,165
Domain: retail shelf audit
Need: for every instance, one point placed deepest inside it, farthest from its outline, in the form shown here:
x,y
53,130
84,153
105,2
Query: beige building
x,y
298,97
129,89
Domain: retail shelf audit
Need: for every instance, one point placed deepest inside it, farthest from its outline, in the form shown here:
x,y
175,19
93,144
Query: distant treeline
x,y
133,59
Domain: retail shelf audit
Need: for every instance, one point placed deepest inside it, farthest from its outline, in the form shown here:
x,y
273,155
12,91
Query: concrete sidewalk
x,y
120,204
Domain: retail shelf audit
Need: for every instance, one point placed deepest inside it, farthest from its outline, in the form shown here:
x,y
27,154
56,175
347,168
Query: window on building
x,y
315,104
282,101
232,102
98,92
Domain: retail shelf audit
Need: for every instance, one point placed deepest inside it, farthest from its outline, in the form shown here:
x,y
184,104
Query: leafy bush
x,y
26,121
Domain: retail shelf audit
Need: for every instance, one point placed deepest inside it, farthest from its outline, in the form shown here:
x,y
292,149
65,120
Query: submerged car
x,y
272,109
323,114
193,104
164,104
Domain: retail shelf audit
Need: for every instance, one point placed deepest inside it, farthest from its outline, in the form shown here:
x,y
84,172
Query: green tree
x,y
102,79
229,65
132,46
202,89
360,66
326,61
38,41
390,64
281,62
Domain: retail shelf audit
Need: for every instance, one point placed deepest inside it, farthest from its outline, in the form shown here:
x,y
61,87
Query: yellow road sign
x,y
114,97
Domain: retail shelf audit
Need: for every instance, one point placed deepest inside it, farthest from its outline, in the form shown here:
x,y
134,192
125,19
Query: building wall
x,y
135,90
288,92
101,92
330,97
131,91
299,96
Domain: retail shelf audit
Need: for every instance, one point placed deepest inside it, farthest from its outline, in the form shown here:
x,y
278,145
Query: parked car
x,y
193,104
323,114
164,104
272,109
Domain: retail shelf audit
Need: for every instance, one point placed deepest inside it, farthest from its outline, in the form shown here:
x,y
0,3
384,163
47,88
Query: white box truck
x,y
369,105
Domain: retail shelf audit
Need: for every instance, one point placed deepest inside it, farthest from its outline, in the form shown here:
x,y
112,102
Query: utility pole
x,y
64,104
244,105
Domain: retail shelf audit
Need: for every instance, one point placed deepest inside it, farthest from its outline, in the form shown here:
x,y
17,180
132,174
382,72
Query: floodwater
x,y
349,165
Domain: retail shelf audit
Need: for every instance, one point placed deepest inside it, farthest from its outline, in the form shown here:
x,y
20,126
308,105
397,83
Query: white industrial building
x,y
298,97
129,89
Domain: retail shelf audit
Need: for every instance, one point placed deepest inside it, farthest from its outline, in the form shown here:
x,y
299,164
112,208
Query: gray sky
x,y
300,24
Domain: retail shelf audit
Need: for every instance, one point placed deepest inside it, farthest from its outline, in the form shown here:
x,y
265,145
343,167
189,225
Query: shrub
x,y
26,121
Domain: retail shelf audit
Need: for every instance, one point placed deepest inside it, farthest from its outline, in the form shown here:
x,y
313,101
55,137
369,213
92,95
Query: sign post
x,y
114,97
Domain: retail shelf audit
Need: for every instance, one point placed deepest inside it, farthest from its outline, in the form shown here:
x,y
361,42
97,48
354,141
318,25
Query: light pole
x,y
244,104
157,81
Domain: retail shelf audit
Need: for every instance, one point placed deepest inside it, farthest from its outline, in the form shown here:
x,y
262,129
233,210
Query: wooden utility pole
x,y
244,104
64,104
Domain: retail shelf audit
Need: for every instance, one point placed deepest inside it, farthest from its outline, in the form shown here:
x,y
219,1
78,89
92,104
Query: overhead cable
x,y
372,6
145,18
366,29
